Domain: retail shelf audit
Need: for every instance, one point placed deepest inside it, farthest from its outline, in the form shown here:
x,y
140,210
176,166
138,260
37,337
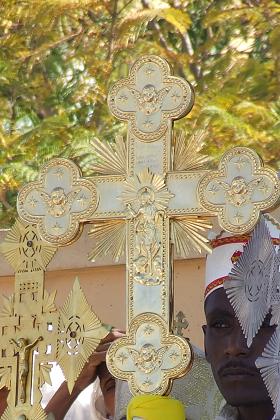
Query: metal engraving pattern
x,y
149,357
33,333
187,152
150,97
25,250
80,332
146,193
239,190
269,365
274,292
58,202
146,198
193,228
248,283
24,321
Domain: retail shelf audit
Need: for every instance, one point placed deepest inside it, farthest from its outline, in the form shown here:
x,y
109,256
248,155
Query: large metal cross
x,y
145,194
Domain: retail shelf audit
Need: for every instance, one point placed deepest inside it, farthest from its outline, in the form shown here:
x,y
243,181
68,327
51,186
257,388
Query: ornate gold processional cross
x,y
150,192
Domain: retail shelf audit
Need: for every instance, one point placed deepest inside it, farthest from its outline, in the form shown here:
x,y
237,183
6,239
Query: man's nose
x,y
236,344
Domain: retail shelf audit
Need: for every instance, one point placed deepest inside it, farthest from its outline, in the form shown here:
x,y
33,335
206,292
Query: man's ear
x,y
204,329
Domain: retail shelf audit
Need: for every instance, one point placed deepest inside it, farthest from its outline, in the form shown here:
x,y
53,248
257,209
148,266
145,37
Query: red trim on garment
x,y
230,240
237,239
214,284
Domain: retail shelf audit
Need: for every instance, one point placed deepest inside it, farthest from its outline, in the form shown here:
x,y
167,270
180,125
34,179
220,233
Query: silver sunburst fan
x,y
274,296
269,365
249,281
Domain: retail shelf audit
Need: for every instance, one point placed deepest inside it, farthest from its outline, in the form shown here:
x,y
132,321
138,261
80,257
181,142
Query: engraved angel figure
x,y
150,100
239,192
58,203
148,359
147,238
23,350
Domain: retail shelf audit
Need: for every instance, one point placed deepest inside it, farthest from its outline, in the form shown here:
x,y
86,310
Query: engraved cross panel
x,y
58,202
149,98
239,190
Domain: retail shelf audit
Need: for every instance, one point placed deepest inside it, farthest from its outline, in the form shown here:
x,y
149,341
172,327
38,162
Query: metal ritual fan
x,y
250,279
269,365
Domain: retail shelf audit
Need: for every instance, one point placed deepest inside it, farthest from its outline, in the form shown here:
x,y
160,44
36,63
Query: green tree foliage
x,y
59,57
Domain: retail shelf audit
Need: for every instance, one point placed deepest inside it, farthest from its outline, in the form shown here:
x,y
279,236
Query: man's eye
x,y
221,323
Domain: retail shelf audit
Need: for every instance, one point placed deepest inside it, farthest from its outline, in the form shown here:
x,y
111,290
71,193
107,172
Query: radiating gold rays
x,y
25,250
80,332
111,157
34,412
188,235
187,156
110,238
146,180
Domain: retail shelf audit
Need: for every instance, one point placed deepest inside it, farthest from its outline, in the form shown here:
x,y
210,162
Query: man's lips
x,y
237,369
237,372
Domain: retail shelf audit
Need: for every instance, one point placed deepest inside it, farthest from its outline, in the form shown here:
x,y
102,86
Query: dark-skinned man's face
x,y
107,385
232,362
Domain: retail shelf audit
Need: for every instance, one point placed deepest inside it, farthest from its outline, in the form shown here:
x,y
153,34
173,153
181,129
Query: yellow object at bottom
x,y
155,407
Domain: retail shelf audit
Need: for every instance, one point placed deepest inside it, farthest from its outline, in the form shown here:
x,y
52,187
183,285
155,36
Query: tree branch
x,y
124,7
156,26
3,199
111,36
54,44
188,48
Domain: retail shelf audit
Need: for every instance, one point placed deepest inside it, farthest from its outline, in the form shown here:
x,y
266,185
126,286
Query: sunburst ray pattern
x,y
5,377
274,292
250,279
188,235
80,332
111,157
34,412
146,179
25,250
110,238
269,365
187,153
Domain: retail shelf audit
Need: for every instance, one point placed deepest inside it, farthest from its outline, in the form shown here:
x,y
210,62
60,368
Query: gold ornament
x,y
80,332
149,361
150,101
58,202
239,190
151,191
32,331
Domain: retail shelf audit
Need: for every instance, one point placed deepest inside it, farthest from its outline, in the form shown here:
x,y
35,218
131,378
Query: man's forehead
x,y
218,301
